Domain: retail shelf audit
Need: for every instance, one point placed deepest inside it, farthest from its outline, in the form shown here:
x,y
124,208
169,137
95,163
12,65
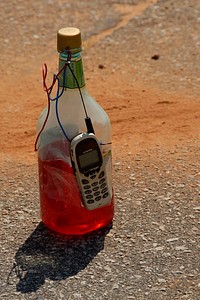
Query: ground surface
x,y
142,64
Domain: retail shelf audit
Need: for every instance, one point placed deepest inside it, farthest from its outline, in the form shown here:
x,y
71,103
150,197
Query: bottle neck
x,y
66,77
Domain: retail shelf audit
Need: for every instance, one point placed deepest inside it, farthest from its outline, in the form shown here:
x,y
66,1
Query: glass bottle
x,y
62,209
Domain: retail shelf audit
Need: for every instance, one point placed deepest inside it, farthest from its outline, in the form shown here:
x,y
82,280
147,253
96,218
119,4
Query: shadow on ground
x,y
46,255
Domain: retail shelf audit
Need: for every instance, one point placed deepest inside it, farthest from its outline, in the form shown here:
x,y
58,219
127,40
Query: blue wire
x,y
59,95
56,99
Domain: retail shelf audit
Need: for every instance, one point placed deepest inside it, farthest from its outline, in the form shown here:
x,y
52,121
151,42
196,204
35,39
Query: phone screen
x,y
88,154
89,159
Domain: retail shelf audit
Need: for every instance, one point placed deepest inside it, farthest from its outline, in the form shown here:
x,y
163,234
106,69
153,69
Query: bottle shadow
x,y
48,255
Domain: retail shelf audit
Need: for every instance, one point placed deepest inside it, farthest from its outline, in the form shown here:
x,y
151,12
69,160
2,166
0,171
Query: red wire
x,y
48,91
48,108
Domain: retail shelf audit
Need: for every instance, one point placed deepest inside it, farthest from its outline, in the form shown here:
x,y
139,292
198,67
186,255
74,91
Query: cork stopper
x,y
68,37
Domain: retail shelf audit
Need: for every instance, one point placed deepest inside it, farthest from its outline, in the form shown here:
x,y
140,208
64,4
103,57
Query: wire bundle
x,y
58,93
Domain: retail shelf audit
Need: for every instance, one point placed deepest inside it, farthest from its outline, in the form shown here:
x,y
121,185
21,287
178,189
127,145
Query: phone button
x,y
88,192
98,198
101,174
90,201
94,183
105,195
89,196
103,185
96,193
86,187
101,181
104,190
85,181
93,176
95,189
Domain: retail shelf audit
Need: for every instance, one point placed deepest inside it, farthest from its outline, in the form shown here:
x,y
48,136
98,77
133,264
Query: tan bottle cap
x,y
68,37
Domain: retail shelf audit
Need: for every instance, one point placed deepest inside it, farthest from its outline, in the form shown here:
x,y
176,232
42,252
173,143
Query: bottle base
x,y
77,230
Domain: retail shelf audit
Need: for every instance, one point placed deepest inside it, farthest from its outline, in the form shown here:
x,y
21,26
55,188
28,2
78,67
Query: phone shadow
x,y
47,255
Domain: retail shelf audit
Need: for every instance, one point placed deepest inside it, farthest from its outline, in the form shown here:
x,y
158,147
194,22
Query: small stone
x,y
161,280
195,229
197,208
107,268
162,227
115,286
170,201
101,66
172,240
181,185
147,269
36,36
77,296
138,277
181,248
159,248
155,56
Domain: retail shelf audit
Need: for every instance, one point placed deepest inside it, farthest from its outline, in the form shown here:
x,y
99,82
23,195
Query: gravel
x,y
151,251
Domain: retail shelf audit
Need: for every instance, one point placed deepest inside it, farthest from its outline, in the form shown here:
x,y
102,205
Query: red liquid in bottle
x,y
60,200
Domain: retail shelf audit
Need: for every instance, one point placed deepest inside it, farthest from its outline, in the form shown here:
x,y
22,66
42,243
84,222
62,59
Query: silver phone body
x,y
89,168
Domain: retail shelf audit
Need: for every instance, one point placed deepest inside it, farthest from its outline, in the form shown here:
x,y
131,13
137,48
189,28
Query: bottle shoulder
x,y
72,114
73,102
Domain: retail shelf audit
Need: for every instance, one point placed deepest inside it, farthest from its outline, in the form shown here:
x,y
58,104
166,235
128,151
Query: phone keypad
x,y
97,190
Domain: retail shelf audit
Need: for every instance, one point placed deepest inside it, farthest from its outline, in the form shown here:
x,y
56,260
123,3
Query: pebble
x,y
161,280
172,240
115,286
181,248
162,227
181,185
160,248
108,269
196,208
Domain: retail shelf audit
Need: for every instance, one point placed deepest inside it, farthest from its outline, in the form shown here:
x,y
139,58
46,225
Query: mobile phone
x,y
90,172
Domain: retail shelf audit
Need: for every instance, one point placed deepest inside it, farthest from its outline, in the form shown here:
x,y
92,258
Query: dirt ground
x,y
142,64
142,112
